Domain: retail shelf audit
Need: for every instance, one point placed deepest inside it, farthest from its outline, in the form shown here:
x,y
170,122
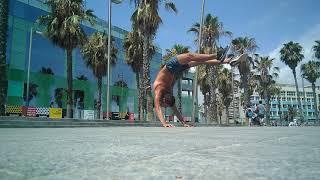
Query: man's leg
x,y
232,60
189,57
209,62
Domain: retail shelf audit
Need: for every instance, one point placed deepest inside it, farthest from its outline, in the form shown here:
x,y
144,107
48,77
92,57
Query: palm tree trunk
x,y
298,94
4,8
147,77
315,102
210,113
268,111
179,87
69,82
99,94
206,107
265,94
138,88
141,97
227,115
146,63
246,90
213,88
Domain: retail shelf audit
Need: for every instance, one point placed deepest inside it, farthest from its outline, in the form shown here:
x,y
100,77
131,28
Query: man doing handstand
x,y
164,81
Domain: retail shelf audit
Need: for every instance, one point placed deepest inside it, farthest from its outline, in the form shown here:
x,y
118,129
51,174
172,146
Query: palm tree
x,y
174,51
311,72
4,16
252,83
63,28
316,49
243,45
46,71
33,92
204,85
265,74
95,54
292,113
82,78
133,45
275,91
225,88
212,30
58,95
291,55
220,107
146,20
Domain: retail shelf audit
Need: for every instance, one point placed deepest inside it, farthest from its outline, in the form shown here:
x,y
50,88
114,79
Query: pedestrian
x,y
260,110
249,115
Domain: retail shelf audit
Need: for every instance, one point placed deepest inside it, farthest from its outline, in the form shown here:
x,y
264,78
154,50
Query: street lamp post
x,y
195,80
29,63
109,51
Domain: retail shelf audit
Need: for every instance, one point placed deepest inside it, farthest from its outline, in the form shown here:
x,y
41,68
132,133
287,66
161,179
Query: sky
x,y
271,22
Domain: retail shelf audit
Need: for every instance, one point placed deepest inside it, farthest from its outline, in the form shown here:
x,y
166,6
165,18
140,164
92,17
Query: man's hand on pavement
x,y
188,125
168,125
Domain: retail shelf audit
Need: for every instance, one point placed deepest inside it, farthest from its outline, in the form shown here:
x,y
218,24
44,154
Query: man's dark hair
x,y
169,99
260,102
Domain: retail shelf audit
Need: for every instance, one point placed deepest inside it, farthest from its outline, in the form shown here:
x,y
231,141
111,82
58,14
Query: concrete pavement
x,y
160,153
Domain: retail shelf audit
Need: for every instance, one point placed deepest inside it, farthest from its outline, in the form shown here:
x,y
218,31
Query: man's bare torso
x,y
163,81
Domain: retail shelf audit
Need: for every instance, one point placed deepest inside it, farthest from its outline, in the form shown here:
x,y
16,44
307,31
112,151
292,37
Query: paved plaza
x,y
159,153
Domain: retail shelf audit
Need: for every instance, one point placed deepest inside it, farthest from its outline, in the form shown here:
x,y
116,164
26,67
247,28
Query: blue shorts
x,y
175,67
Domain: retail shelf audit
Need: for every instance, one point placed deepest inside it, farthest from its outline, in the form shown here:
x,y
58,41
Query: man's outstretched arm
x,y
159,111
180,117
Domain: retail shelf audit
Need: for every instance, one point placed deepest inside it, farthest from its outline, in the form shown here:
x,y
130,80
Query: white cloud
x,y
306,41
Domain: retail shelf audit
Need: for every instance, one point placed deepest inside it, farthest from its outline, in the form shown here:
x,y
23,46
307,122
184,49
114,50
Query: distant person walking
x,y
249,115
260,110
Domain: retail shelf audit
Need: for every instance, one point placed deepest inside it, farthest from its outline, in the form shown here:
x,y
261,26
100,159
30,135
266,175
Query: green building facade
x,y
48,67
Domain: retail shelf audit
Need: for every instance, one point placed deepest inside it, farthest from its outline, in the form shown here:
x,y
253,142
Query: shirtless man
x,y
164,81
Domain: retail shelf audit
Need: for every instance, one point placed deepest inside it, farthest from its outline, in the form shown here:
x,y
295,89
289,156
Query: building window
x,y
291,93
309,94
283,99
283,93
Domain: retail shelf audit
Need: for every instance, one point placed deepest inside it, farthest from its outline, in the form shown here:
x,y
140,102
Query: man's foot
x,y
222,53
235,61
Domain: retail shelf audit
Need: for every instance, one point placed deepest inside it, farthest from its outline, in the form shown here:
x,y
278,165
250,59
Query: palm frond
x,y
171,7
